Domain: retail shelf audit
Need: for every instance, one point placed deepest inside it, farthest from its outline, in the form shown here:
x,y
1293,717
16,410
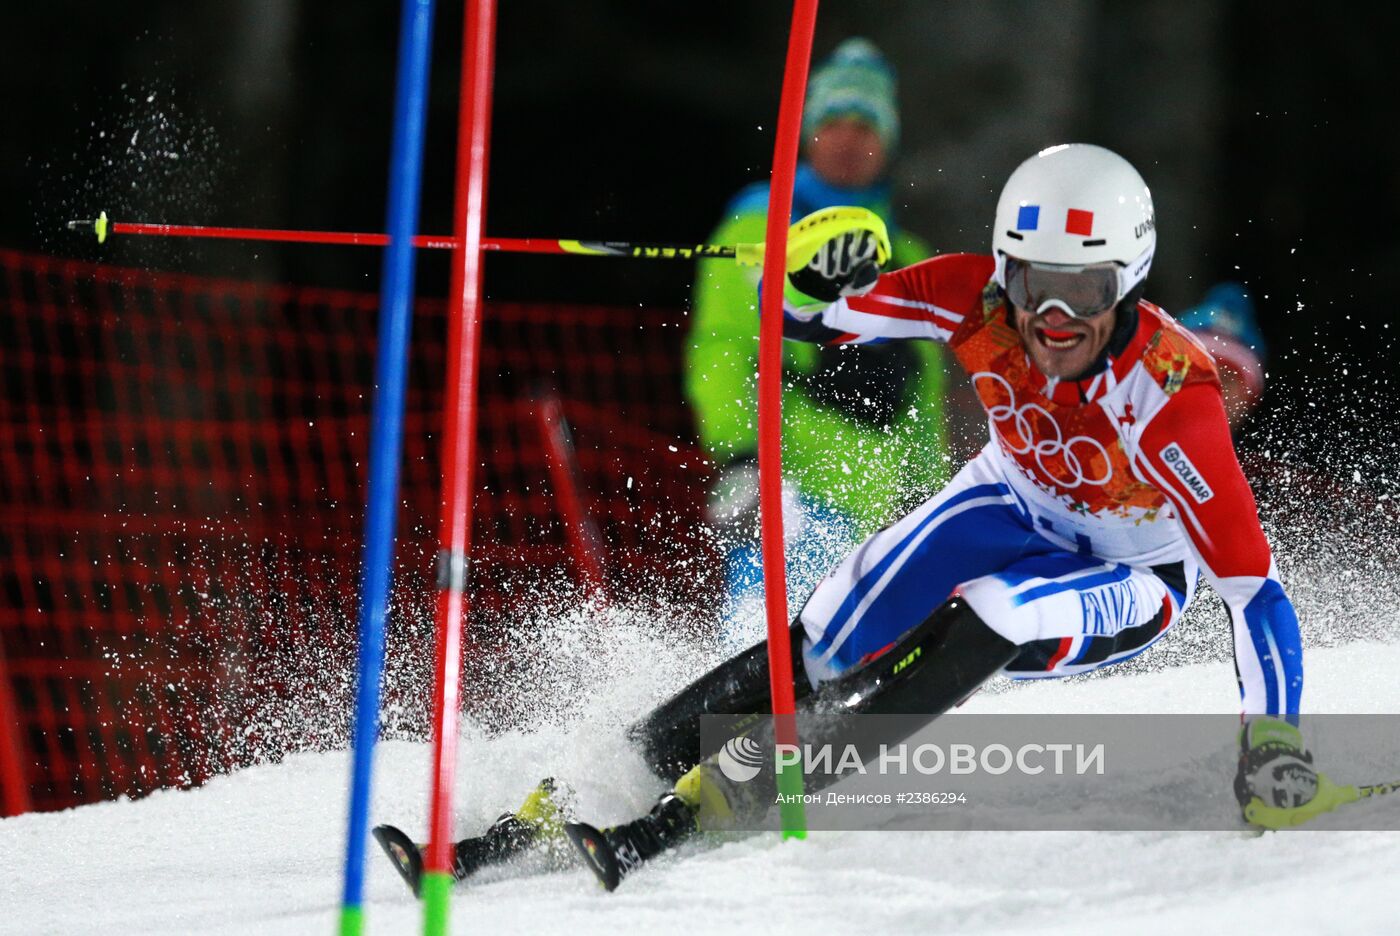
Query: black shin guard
x,y
670,736
928,671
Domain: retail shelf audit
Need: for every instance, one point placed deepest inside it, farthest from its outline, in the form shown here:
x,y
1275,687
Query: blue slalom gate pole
x,y
386,431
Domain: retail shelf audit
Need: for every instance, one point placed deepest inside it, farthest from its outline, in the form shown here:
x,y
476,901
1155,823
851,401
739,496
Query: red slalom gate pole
x,y
585,538
770,406
14,788
459,440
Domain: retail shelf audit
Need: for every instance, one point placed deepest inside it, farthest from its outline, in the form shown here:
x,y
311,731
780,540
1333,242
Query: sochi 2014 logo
x,y
741,759
1030,430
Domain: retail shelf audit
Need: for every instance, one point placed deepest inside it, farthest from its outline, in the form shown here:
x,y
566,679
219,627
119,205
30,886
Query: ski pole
x,y
744,254
1377,789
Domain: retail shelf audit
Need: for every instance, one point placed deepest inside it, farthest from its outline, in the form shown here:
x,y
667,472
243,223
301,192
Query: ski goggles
x,y
1083,291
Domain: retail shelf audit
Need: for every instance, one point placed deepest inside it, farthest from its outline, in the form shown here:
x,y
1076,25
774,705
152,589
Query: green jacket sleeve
x,y
722,350
866,473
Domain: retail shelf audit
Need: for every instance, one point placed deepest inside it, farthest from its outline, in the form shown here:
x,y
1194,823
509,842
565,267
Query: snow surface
x,y
260,851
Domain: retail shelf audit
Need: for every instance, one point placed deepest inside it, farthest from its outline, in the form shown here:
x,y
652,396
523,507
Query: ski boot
x,y
613,853
539,820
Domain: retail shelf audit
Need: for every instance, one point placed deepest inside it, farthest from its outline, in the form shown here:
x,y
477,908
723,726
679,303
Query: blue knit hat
x,y
1227,310
854,81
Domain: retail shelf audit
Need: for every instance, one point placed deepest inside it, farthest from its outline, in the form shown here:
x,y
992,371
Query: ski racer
x,y
1074,540
1076,537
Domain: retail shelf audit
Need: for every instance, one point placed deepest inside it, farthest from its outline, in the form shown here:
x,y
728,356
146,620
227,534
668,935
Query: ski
x,y
405,853
592,846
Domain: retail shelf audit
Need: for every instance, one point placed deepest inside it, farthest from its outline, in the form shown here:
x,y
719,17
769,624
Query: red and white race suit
x,y
1120,478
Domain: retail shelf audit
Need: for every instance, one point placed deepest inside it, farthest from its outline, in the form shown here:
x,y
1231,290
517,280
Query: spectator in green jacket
x,y
863,429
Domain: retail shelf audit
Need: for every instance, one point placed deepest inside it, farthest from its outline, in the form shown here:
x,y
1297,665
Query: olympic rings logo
x,y
1030,429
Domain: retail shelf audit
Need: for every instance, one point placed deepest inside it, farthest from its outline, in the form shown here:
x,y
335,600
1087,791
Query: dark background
x,y
1265,130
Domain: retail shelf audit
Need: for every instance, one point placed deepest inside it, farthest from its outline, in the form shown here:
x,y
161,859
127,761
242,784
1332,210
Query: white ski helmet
x,y
1075,206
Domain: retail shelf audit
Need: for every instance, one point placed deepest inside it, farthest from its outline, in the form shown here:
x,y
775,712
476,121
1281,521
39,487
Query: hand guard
x,y
835,252
1275,769
1276,784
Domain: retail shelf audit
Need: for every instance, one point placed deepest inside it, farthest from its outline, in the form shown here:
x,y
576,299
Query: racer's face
x,y
1060,345
847,153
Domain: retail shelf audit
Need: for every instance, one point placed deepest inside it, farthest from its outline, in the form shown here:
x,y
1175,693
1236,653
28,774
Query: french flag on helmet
x,y
1077,221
